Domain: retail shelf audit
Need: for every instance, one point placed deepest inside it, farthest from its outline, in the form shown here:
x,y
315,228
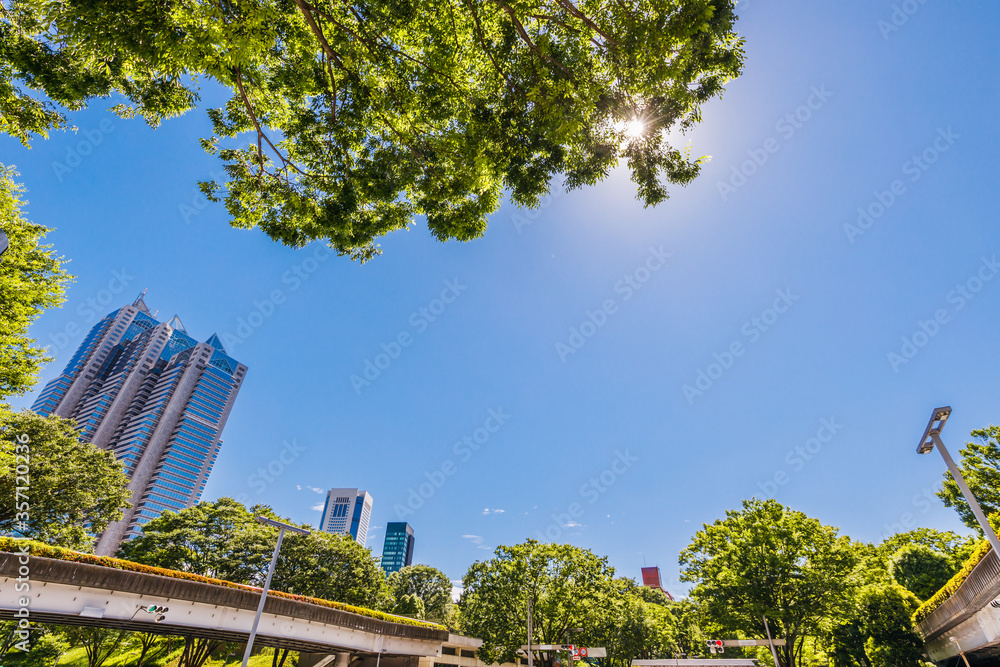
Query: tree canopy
x,y
31,279
569,588
631,627
332,567
956,547
223,539
921,570
363,115
877,630
218,539
766,560
409,605
75,489
429,584
980,465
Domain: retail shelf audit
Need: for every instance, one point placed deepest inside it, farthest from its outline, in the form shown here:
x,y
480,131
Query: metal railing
x,y
981,587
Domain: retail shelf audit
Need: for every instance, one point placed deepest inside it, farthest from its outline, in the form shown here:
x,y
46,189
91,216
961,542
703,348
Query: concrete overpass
x,y
969,617
69,593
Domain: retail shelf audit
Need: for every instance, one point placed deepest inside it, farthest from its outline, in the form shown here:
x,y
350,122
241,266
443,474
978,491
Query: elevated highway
x,y
70,593
969,617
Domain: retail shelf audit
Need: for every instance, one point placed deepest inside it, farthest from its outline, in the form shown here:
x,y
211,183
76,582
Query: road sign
x,y
752,642
588,651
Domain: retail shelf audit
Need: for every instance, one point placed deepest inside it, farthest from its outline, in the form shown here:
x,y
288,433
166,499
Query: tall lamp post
x,y
531,661
960,651
282,527
932,437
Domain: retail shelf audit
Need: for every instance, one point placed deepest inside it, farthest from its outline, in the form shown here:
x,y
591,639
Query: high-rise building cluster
x,y
348,511
158,399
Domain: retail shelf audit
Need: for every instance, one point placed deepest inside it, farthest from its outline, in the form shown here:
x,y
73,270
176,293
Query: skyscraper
x,y
397,551
158,399
346,512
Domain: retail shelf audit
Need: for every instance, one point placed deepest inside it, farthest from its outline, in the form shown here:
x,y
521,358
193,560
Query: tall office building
x,y
346,512
158,399
397,551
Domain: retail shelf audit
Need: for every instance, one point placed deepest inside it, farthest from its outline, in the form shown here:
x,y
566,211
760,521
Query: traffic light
x,y
158,612
715,646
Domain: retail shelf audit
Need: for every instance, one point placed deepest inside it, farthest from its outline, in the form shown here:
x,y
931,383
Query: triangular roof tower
x,y
214,341
140,304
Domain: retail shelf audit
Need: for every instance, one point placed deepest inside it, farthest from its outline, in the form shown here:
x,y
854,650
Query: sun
x,y
635,128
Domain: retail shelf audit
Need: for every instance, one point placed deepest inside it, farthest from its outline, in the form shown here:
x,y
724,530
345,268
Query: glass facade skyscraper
x,y
397,551
346,512
158,399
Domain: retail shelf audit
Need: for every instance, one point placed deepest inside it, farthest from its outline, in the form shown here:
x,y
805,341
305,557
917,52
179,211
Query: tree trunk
x,y
98,648
147,643
197,651
275,662
9,641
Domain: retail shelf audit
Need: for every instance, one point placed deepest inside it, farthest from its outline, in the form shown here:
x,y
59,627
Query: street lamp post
x,y
531,662
770,642
932,437
960,651
282,527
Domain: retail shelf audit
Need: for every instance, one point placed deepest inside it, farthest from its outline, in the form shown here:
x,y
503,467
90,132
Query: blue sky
x,y
844,106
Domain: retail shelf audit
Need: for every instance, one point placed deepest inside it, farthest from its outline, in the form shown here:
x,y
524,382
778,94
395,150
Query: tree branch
x,y
523,34
572,9
335,58
489,54
260,131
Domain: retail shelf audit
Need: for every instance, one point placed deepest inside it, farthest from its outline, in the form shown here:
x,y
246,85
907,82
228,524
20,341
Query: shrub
x,y
953,584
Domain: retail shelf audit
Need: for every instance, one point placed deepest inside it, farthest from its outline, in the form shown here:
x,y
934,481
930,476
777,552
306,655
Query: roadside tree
x,y
766,560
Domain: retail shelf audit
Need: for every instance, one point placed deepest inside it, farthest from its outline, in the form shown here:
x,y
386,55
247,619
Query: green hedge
x,y
949,589
7,544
